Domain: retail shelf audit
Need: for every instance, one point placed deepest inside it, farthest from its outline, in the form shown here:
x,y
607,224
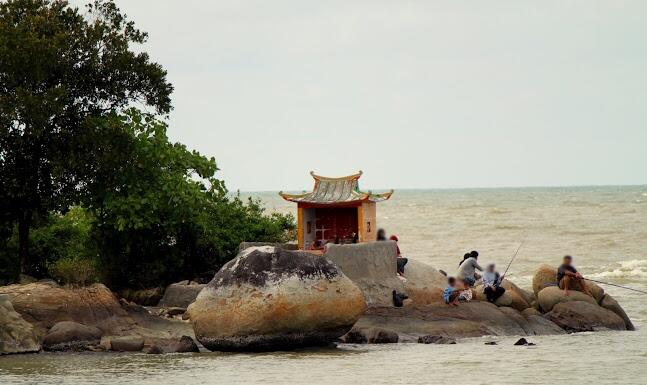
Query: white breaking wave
x,y
635,268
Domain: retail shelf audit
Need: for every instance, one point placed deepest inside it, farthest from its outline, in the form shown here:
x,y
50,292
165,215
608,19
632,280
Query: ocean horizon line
x,y
413,189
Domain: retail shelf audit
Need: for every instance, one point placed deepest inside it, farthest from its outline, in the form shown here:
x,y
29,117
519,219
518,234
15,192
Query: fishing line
x,y
620,286
512,259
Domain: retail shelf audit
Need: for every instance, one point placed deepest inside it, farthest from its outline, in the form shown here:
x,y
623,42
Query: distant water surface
x,y
604,228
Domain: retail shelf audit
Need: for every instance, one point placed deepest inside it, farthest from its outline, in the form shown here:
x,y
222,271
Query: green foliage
x,y
161,213
57,237
74,271
59,69
153,211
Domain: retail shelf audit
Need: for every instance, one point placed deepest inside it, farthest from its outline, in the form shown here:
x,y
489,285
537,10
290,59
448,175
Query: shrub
x,y
73,271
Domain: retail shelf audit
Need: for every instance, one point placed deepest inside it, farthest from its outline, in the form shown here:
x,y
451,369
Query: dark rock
x,y
184,345
521,341
441,340
398,298
581,316
145,297
268,298
68,335
491,343
284,246
355,336
370,336
180,294
442,272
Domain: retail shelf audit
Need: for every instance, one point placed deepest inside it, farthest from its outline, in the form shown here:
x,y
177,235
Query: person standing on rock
x,y
569,278
491,283
467,269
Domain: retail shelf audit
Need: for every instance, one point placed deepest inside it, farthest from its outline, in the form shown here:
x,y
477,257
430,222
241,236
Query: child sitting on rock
x,y
452,292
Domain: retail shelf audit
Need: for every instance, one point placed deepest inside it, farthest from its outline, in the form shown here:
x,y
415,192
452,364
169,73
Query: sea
x,y
604,228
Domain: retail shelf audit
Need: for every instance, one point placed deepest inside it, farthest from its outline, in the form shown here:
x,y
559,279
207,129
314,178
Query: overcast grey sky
x,y
414,93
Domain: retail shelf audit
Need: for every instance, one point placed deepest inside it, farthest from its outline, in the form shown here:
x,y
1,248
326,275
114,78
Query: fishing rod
x,y
620,286
512,259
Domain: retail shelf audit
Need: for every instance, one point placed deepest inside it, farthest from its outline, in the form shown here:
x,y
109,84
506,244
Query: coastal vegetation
x,y
91,187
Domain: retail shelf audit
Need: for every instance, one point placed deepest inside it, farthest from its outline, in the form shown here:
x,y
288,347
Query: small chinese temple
x,y
335,211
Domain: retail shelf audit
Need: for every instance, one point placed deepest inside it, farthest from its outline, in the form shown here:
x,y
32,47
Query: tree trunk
x,y
23,242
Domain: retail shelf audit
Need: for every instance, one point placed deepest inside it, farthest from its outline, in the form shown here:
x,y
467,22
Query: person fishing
x,y
569,278
467,269
492,283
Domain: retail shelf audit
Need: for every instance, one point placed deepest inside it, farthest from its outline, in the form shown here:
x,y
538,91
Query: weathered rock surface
x,y
609,303
551,296
268,298
370,336
580,316
440,340
285,246
68,335
16,334
180,294
545,276
184,345
372,267
44,304
543,327
132,343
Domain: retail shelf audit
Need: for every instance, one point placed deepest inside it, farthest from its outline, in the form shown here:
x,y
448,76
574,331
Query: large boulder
x,y
551,296
581,316
45,304
372,267
180,294
609,303
545,276
68,335
16,334
268,298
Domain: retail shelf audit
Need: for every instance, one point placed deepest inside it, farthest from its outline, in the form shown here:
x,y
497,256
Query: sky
x,y
417,94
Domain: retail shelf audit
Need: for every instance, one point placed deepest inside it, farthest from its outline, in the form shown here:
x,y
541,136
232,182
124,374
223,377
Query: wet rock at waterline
x,y
580,316
184,345
268,298
69,335
370,336
439,340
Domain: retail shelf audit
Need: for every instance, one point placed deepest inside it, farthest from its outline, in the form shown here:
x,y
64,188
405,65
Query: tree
x,y
161,214
58,71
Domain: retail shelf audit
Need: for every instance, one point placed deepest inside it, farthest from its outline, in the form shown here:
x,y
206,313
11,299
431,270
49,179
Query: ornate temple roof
x,y
328,190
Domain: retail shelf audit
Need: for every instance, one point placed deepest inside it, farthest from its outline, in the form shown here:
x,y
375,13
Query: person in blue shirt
x,y
452,292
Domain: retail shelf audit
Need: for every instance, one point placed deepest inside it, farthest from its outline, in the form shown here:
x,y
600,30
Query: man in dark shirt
x,y
569,278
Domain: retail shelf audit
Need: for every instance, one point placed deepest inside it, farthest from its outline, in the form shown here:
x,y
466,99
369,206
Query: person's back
x,y
467,268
